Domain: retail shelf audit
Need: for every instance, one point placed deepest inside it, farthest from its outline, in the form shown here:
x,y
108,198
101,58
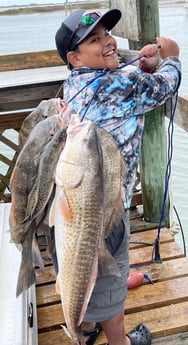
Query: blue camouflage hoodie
x,y
117,100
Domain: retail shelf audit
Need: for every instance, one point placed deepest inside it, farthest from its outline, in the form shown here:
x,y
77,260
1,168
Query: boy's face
x,y
98,50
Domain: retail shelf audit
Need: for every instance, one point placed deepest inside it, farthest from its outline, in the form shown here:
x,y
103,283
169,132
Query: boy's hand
x,y
150,58
151,53
168,47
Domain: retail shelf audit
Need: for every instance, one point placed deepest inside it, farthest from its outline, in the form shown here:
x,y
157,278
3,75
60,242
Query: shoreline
x,y
31,9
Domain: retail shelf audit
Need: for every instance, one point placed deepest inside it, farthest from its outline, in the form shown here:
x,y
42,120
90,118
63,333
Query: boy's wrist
x,y
146,69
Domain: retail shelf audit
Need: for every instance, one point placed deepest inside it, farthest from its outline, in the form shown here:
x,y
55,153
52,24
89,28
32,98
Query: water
x,y
13,3
34,32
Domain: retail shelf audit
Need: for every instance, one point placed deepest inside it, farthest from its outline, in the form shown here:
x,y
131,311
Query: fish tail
x,y
26,278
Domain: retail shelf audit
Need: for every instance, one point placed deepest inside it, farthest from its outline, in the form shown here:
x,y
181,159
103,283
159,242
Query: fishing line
x,y
156,252
181,229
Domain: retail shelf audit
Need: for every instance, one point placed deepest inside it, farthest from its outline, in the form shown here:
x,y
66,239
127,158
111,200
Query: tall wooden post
x,y
144,16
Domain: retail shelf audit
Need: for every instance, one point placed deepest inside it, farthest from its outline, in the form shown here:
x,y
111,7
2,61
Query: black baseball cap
x,y
77,26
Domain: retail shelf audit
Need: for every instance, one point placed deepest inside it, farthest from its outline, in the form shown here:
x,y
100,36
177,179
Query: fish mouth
x,y
76,126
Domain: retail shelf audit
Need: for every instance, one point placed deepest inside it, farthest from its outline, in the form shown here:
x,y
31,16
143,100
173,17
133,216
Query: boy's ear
x,y
73,59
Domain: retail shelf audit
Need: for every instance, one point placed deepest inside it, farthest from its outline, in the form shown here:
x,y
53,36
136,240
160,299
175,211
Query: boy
x,y
116,100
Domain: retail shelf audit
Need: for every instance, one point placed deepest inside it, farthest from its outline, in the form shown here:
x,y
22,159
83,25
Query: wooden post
x,y
153,153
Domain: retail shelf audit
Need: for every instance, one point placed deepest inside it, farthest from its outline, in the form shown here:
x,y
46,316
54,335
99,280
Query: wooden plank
x,y
181,113
14,62
48,275
58,337
50,316
157,295
144,298
140,239
14,79
129,28
13,119
29,96
176,268
46,295
176,339
162,321
167,251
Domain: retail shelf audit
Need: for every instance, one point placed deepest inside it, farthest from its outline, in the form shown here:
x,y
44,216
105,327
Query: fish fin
x,y
37,257
51,219
19,246
66,331
61,200
89,290
26,278
64,208
107,265
75,341
57,285
116,217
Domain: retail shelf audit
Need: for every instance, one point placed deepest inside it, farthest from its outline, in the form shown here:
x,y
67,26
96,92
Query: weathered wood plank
x,y
157,295
48,275
144,256
161,321
176,268
38,59
140,239
139,256
50,316
138,299
13,119
176,339
14,79
158,305
58,337
46,295
144,297
27,97
168,270
131,27
181,113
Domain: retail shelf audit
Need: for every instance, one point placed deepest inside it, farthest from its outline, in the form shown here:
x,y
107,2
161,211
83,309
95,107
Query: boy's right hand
x,y
168,47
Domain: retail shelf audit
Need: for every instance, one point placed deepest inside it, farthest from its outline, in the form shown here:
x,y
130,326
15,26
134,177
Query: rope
x,y
156,253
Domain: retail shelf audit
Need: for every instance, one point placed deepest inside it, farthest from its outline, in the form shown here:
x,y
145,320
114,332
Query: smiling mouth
x,y
109,53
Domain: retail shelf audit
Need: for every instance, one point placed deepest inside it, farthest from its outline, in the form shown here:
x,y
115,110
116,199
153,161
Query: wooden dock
x,y
163,305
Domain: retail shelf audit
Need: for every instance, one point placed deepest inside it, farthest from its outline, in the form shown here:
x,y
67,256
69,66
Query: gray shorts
x,y
108,297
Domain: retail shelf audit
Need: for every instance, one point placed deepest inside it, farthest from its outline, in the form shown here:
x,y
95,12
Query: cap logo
x,y
90,18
